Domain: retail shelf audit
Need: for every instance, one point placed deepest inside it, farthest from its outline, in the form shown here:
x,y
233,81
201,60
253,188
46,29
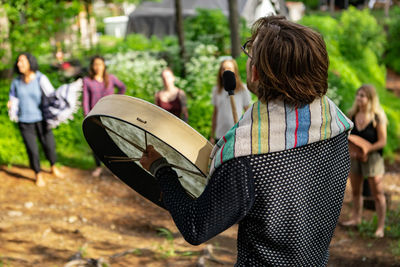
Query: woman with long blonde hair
x,y
222,119
369,123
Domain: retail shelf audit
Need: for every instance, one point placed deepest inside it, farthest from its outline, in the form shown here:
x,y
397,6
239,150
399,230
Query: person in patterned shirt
x,y
281,171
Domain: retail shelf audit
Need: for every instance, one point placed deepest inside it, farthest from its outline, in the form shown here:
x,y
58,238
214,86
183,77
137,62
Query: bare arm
x,y
382,135
120,85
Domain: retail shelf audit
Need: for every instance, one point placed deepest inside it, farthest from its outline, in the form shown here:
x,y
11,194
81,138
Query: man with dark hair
x,y
281,171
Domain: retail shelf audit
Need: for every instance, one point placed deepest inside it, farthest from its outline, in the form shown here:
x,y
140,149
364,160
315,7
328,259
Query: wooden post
x,y
233,106
387,5
5,45
180,33
332,6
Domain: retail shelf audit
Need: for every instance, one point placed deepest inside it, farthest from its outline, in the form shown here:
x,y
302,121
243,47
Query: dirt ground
x,y
100,218
393,82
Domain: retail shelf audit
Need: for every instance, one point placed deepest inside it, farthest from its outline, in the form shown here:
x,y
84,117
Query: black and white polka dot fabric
x,y
287,203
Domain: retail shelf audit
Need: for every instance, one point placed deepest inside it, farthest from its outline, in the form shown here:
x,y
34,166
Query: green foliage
x,y
201,77
83,251
393,45
209,26
212,27
311,4
392,228
367,228
140,71
11,144
4,262
166,250
359,31
137,252
241,61
167,234
396,248
355,44
133,42
32,23
166,48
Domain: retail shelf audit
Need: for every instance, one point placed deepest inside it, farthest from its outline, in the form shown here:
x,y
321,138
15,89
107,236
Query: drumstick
x,y
145,139
126,159
129,142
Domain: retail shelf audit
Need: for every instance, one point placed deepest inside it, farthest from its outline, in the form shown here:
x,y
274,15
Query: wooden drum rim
x,y
159,123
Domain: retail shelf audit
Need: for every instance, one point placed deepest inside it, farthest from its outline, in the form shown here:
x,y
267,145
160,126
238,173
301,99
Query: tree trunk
x,y
332,6
5,46
234,26
87,25
180,33
387,5
283,9
84,29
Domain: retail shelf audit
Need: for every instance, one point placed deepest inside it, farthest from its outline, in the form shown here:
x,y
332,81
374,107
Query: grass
x,y
166,249
395,248
392,228
366,229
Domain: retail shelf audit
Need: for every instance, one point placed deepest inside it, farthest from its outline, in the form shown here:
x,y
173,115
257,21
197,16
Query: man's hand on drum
x,y
149,156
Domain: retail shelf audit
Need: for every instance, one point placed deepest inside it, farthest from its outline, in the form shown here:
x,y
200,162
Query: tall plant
x,y
393,45
32,23
355,44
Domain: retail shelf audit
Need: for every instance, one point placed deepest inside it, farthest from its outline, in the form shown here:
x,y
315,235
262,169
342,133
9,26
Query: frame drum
x,y
119,128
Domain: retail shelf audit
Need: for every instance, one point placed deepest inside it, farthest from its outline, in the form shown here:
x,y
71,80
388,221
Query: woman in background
x,y
26,94
171,98
222,119
369,123
98,84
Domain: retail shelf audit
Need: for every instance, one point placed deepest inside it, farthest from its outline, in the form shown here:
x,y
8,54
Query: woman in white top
x,y
222,119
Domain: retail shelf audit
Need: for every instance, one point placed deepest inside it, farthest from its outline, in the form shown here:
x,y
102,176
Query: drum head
x,y
118,129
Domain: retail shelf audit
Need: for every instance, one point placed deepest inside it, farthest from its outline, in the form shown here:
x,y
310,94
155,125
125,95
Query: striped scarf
x,y
276,126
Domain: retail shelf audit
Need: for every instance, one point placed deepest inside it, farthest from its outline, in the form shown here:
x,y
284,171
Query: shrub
x,y
12,149
201,77
212,27
140,71
33,23
355,45
393,45
358,31
311,4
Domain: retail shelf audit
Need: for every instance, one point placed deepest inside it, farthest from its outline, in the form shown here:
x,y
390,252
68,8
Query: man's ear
x,y
254,74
